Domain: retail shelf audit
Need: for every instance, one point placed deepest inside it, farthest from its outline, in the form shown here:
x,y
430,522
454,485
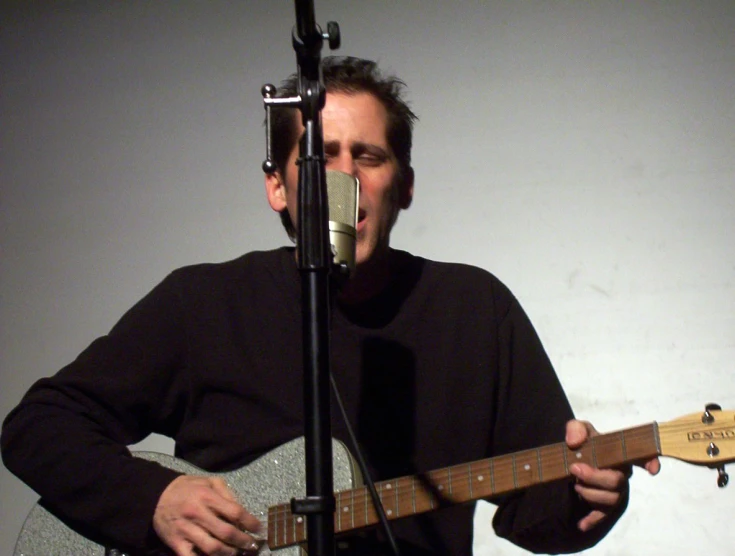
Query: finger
x,y
204,543
653,466
235,513
221,487
182,547
578,432
591,520
598,497
221,523
210,515
606,479
231,535
192,540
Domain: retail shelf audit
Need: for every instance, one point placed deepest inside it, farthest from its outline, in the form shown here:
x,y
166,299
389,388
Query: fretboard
x,y
407,496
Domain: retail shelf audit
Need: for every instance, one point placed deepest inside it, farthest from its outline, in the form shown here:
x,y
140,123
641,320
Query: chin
x,y
363,254
367,253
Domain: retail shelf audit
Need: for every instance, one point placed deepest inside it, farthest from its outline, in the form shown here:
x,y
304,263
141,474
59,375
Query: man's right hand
x,y
200,515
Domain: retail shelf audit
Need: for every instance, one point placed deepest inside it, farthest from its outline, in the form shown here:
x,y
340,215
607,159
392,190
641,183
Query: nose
x,y
343,163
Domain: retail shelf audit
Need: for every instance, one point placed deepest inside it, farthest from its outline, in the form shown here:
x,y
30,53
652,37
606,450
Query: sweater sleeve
x,y
532,411
67,438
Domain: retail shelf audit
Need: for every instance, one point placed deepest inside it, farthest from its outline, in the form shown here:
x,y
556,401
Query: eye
x,y
370,157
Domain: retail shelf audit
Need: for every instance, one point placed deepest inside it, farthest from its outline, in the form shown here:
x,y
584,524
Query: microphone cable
x,y
366,475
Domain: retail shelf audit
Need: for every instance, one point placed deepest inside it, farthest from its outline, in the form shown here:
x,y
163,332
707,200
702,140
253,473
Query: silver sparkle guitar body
x,y
272,479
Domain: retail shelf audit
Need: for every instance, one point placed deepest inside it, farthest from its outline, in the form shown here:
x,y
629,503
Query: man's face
x,y
355,142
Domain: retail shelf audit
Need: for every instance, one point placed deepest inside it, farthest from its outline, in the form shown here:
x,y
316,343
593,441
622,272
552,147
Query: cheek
x,y
292,187
389,201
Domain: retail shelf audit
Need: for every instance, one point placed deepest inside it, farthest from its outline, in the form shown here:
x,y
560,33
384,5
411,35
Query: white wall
x,y
582,151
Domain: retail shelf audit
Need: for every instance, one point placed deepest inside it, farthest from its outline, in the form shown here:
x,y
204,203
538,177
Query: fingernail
x,y
575,469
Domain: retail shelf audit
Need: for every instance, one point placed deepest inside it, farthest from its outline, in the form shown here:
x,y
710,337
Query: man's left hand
x,y
603,489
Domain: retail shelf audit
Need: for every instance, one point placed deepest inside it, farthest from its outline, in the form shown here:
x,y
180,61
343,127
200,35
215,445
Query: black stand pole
x,y
314,262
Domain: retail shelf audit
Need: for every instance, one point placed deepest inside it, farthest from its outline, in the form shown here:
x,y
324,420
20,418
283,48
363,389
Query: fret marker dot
x,y
346,509
480,477
388,486
299,520
440,487
527,467
579,455
389,512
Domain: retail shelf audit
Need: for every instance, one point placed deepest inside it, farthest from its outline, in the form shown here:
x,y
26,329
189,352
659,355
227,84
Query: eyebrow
x,y
358,146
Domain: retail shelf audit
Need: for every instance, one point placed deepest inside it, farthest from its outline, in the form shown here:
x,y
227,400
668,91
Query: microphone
x,y
343,198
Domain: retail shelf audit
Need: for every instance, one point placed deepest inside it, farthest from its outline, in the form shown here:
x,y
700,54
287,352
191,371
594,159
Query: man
x,y
437,365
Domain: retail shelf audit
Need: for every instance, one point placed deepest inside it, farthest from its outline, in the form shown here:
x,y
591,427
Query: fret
x,y
656,437
449,480
338,511
515,474
365,496
397,502
291,537
380,494
469,482
538,465
566,459
285,531
492,477
622,443
413,494
272,522
352,506
593,446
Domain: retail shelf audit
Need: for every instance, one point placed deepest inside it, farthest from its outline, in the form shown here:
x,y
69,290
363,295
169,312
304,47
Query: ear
x,y
405,191
275,190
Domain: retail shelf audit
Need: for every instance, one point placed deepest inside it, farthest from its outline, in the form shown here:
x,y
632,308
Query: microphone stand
x,y
314,263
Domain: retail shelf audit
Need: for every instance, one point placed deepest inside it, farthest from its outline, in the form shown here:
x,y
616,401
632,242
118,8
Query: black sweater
x,y
443,367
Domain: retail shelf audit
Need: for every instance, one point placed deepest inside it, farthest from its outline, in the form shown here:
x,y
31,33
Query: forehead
x,y
351,117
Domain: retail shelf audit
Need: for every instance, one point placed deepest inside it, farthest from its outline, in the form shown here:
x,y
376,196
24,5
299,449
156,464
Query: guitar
x,y
706,439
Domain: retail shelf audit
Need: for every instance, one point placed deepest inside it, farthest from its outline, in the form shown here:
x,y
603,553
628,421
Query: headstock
x,y
706,438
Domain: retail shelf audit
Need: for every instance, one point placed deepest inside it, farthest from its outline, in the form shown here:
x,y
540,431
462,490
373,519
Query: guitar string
x,y
645,433
439,476
404,491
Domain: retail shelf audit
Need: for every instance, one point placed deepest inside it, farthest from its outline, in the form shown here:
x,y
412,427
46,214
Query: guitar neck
x,y
407,496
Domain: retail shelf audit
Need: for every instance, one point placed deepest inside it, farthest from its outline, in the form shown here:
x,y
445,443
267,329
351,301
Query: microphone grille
x,y
342,197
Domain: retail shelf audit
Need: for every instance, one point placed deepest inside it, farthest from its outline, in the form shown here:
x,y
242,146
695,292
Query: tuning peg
x,y
722,477
707,417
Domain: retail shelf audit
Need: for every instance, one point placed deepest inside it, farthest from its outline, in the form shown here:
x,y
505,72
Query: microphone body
x,y
343,198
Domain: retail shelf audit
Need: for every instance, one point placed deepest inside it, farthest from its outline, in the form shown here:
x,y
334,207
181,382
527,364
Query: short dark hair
x,y
345,74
